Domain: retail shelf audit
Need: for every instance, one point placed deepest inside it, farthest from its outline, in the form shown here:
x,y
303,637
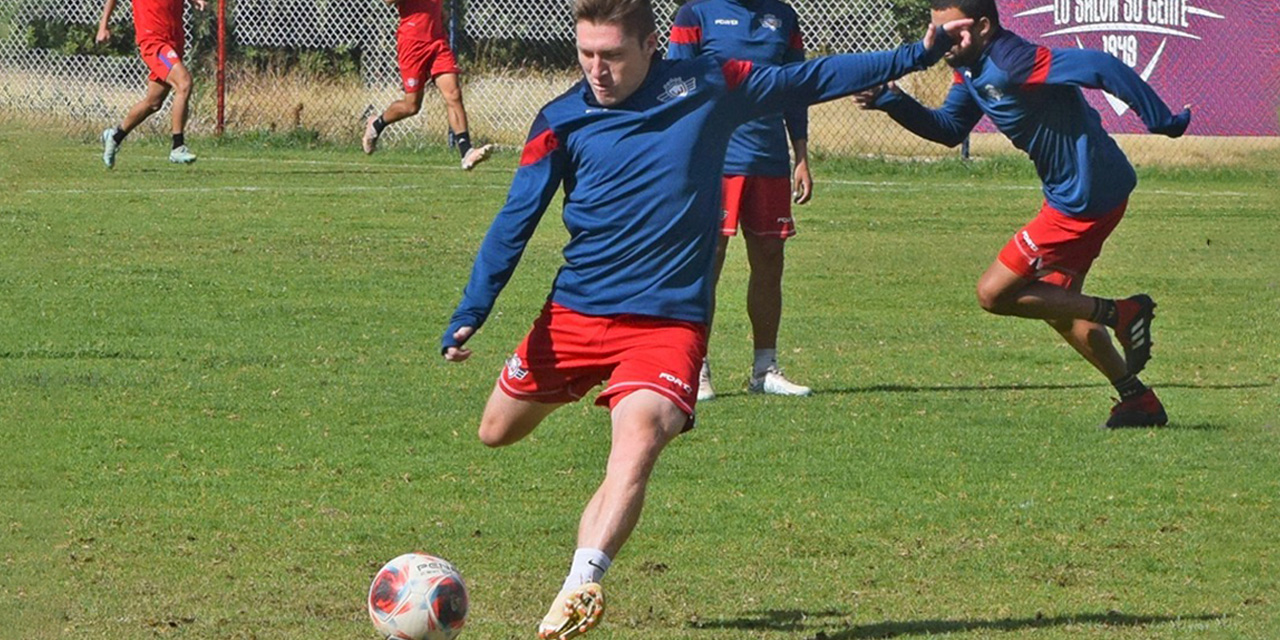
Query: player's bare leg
x,y
180,80
705,390
1069,312
643,423
456,113
508,420
406,107
150,103
766,256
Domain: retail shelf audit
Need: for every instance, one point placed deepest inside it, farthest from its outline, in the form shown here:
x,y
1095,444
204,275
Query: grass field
x,y
222,408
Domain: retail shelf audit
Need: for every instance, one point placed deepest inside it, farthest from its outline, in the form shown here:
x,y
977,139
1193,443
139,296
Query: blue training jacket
x,y
1033,96
765,32
642,180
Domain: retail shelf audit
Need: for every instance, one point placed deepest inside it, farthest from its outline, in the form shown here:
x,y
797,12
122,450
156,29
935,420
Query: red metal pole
x,y
220,126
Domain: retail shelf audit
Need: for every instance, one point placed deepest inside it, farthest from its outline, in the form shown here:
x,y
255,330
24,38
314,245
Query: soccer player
x,y
758,183
638,146
158,30
1033,95
422,52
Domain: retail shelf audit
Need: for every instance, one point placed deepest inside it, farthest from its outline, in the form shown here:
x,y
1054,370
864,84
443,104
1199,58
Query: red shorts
x,y
422,60
160,56
567,353
761,204
1058,249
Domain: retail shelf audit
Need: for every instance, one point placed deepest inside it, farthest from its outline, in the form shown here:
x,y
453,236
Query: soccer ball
x,y
418,597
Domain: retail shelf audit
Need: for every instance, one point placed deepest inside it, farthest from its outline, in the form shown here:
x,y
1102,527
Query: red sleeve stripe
x,y
956,78
1040,68
735,72
797,40
686,35
539,147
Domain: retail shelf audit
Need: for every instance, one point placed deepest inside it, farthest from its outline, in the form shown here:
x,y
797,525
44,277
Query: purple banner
x,y
1220,56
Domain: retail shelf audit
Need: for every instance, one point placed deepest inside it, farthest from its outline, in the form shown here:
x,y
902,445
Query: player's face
x,y
979,33
615,64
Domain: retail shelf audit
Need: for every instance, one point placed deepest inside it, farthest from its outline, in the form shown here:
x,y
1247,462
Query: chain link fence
x,y
318,68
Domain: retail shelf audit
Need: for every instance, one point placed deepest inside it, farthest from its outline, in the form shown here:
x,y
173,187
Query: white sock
x,y
765,358
705,374
589,565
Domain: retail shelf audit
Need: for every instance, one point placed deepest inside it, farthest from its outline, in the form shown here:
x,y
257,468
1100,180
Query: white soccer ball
x,y
418,597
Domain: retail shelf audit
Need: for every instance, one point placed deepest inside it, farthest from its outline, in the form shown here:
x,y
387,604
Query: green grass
x,y
222,408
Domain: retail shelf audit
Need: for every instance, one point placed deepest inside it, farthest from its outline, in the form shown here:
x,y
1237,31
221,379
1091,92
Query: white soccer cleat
x,y
772,382
705,392
574,612
182,155
109,147
370,140
475,156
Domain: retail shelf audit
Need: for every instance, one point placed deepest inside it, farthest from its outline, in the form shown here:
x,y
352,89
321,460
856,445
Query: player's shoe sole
x,y
1133,330
1145,410
369,142
475,156
109,148
574,612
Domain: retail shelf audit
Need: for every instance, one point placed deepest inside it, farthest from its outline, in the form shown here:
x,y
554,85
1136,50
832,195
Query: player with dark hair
x,y
1033,95
159,33
759,184
423,54
638,146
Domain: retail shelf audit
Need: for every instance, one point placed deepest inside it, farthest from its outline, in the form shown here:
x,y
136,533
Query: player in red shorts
x,y
423,54
158,27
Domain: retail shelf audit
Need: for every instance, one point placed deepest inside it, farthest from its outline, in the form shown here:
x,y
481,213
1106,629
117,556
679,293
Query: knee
x,y
493,432
993,299
182,86
1062,326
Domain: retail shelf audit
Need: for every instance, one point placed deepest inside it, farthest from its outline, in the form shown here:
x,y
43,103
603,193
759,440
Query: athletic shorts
x,y
567,353
1058,249
160,56
762,205
422,60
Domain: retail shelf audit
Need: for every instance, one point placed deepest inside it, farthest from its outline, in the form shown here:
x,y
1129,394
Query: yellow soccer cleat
x,y
574,612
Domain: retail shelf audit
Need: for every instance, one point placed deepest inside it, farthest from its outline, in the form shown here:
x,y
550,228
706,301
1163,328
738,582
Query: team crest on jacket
x,y
677,88
993,92
770,22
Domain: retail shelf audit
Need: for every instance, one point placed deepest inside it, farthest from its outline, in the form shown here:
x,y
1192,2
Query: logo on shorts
x,y
172,54
770,22
1026,237
515,368
676,381
677,88
785,220
413,82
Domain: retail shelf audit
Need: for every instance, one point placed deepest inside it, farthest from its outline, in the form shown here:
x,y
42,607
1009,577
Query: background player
x,y
639,147
758,183
1033,96
423,53
158,31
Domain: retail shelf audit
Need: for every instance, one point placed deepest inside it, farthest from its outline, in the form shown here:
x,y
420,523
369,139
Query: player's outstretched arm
x,y
765,90
542,168
104,33
949,124
1100,70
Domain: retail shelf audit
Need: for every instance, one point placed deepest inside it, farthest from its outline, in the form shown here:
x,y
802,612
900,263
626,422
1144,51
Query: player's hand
x,y
867,99
802,183
104,34
957,30
459,353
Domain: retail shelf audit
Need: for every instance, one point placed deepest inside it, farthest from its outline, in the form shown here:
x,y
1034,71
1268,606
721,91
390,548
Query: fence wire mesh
x,y
318,68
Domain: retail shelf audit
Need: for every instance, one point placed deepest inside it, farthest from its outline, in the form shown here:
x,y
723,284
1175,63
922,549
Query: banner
x,y
1220,56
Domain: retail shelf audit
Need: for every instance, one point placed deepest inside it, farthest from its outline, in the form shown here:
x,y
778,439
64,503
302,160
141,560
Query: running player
x,y
423,54
1033,96
158,30
638,146
758,183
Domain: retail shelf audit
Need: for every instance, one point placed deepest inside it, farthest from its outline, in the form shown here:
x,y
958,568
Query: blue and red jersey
x,y
765,32
420,20
1033,95
641,180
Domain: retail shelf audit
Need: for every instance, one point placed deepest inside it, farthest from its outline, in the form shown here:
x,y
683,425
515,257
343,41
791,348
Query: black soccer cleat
x,y
1133,330
1143,411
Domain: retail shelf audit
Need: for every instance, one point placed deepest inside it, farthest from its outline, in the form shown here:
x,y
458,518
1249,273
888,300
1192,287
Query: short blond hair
x,y
634,16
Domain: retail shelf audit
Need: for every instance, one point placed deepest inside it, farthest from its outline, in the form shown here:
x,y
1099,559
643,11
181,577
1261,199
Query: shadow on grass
x,y
902,388
812,622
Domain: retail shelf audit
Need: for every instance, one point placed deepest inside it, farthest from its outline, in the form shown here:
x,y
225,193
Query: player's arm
x,y
542,169
104,33
949,124
1100,70
685,41
797,123
764,90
